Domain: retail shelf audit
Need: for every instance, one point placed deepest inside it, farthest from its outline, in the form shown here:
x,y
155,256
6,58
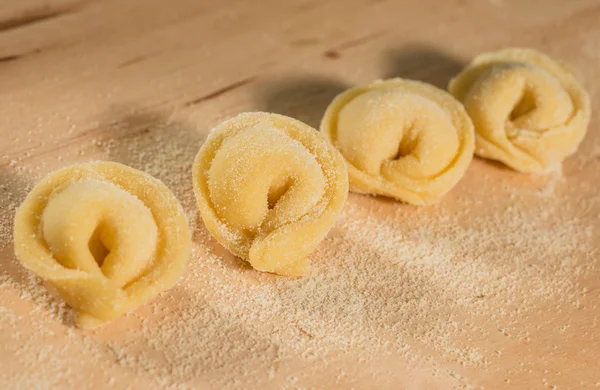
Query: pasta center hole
x,y
97,247
277,190
525,105
407,145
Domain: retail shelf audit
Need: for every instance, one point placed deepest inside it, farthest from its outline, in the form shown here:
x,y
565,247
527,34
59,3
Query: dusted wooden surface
x,y
73,71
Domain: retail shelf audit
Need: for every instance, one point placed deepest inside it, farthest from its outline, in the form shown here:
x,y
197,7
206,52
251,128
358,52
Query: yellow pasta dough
x,y
401,138
108,238
529,111
269,188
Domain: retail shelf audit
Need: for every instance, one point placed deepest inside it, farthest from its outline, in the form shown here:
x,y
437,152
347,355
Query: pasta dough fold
x,y
108,238
269,188
529,111
401,138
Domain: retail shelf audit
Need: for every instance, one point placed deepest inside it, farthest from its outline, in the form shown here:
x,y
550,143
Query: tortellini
x,y
529,111
401,138
108,238
269,189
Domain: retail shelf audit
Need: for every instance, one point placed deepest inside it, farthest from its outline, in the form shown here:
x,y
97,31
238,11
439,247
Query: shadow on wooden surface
x,y
14,186
422,62
155,142
13,190
304,98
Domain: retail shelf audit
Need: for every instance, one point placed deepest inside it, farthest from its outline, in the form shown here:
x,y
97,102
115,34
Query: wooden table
x,y
142,82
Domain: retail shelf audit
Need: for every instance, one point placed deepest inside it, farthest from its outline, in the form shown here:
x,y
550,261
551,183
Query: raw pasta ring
x,y
529,111
401,138
108,238
269,188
